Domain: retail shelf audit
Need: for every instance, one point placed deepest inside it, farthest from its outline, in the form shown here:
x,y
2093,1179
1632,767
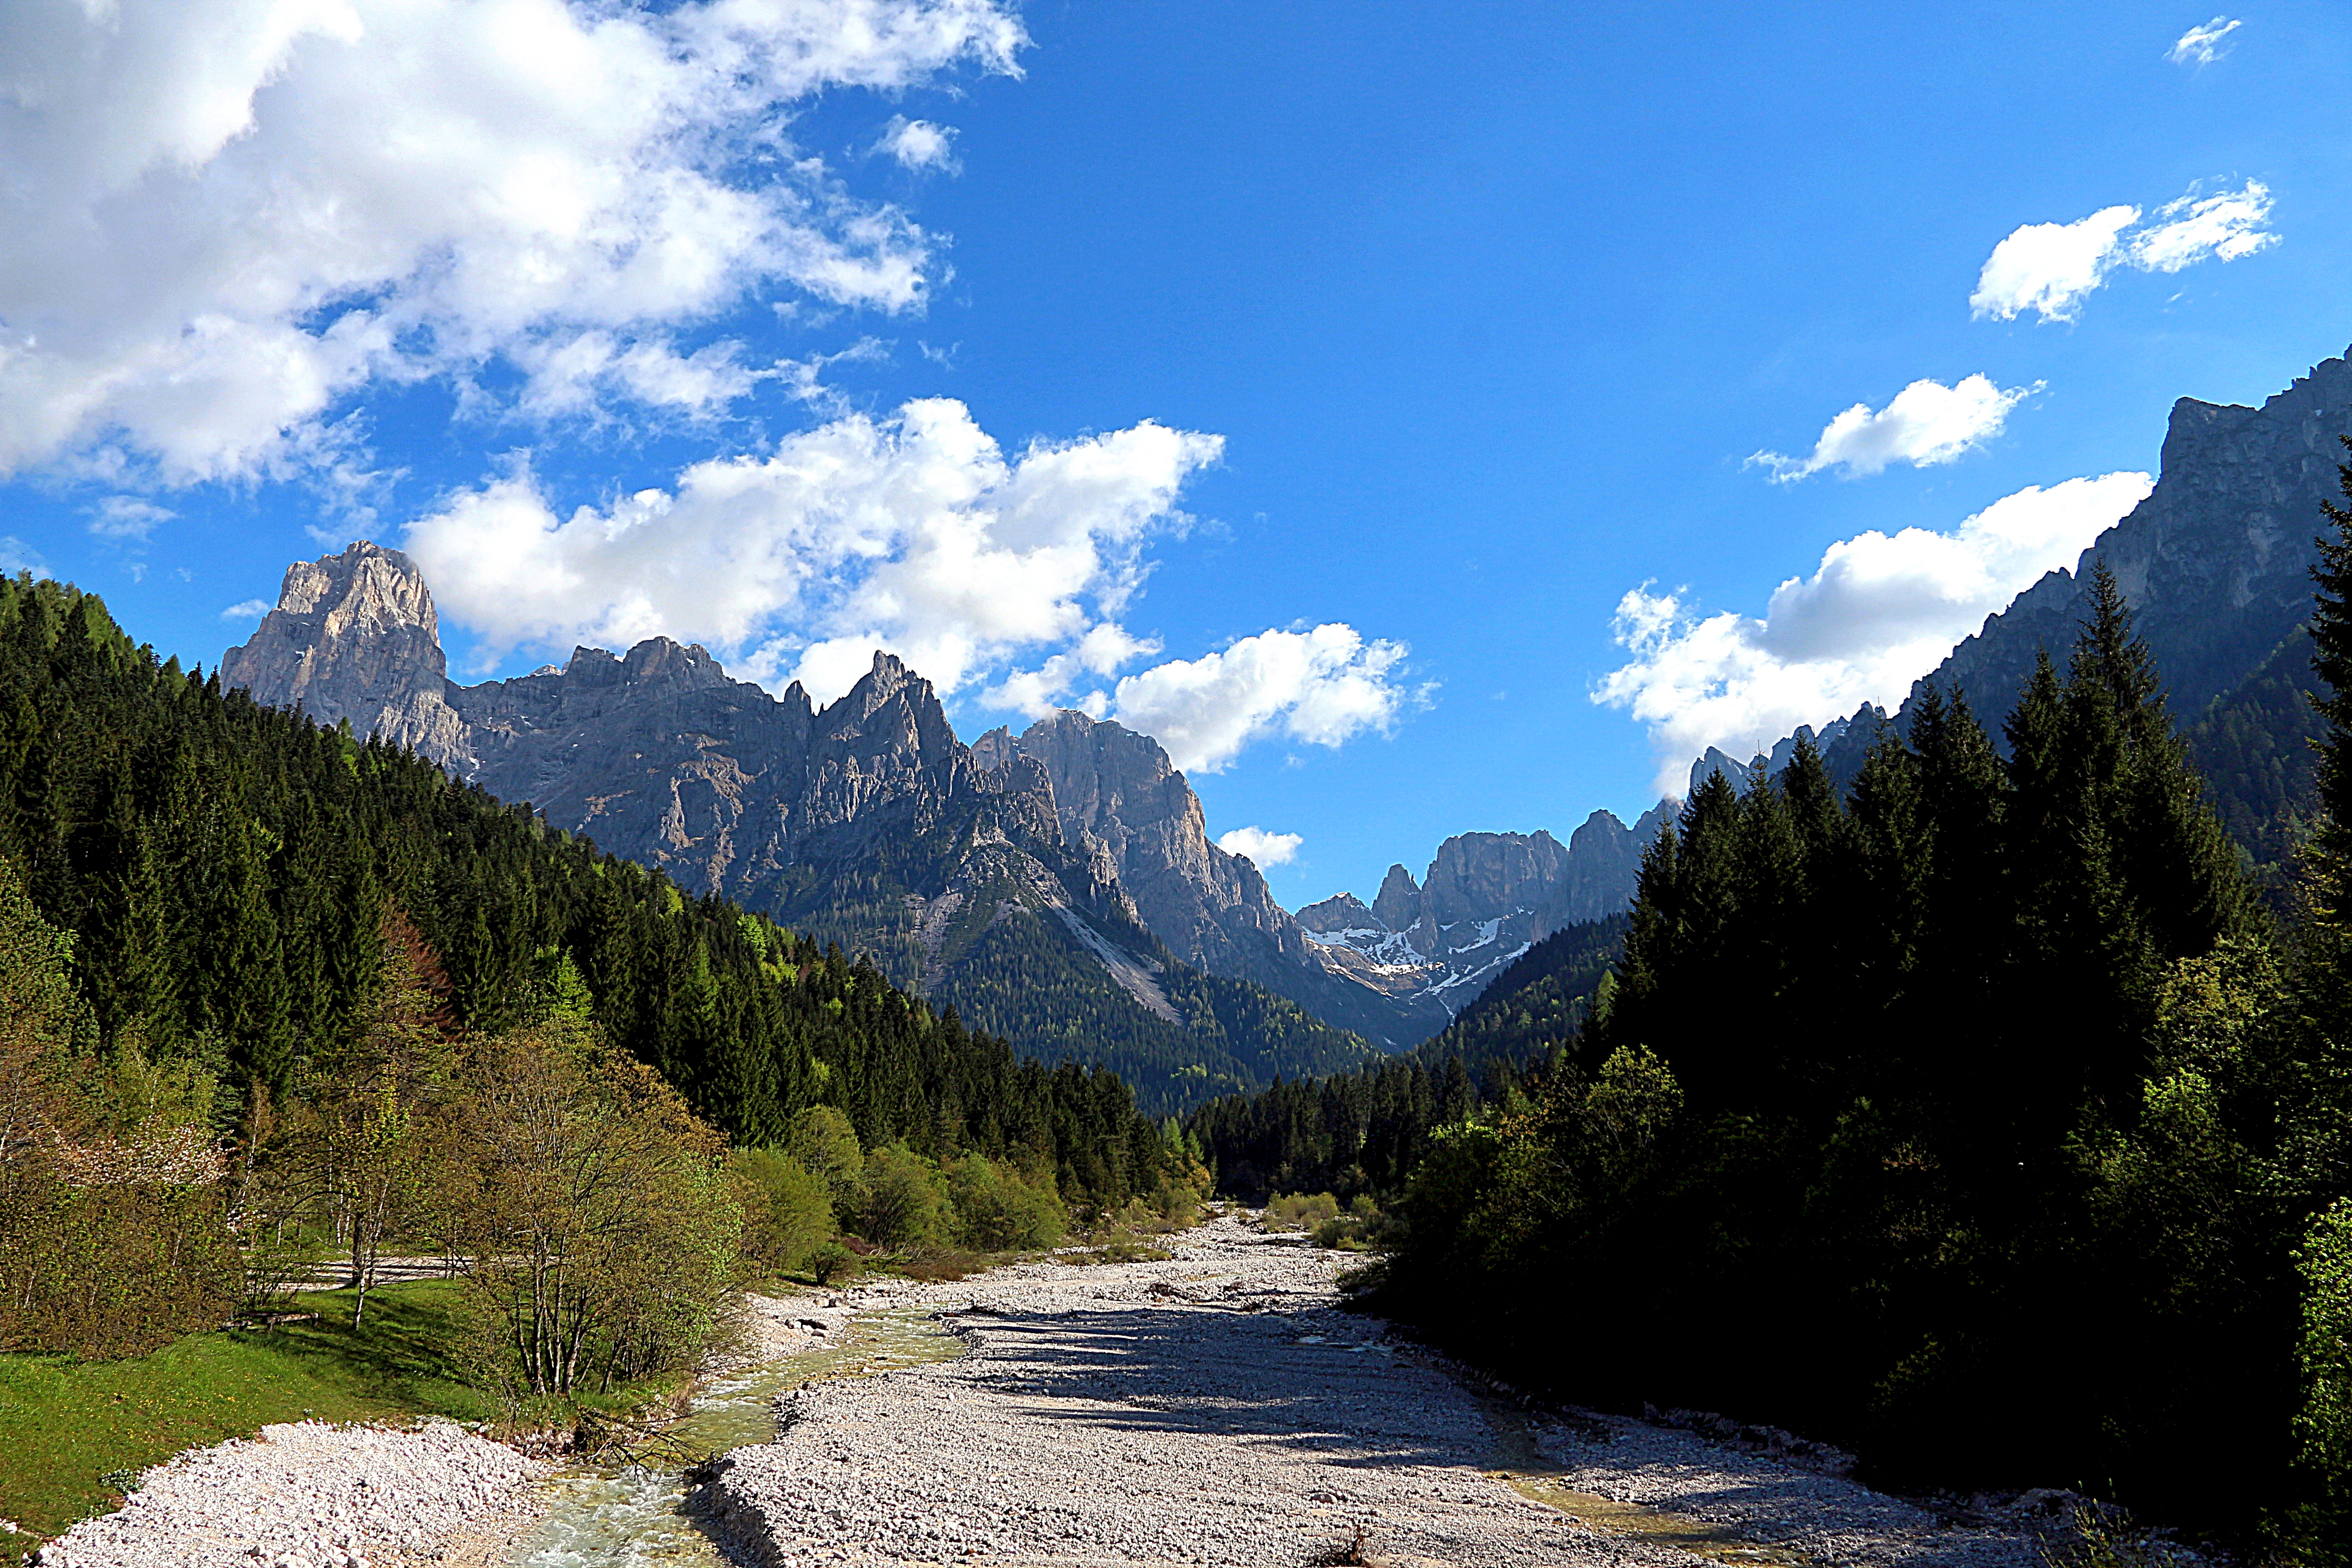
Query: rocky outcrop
x,y
1486,900
354,638
2216,562
864,822
1120,791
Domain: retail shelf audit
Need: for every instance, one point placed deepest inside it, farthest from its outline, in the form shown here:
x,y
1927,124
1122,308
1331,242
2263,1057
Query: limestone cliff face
x,y
354,637
661,757
1486,900
1118,790
2216,562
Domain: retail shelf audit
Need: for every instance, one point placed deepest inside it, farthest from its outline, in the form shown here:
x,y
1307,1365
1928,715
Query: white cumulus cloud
x,y
919,143
2203,46
1262,847
1924,424
1323,687
915,532
919,534
2050,269
1878,613
218,217
247,610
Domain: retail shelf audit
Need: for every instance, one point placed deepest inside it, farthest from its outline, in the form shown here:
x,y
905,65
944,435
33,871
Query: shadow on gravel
x,y
1238,1376
1248,1378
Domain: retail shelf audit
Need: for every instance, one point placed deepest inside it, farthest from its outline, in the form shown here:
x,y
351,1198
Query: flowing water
x,y
616,1515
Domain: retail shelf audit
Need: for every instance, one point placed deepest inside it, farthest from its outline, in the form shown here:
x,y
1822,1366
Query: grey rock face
x,y
1341,912
1118,790
2216,562
1487,898
663,759
354,637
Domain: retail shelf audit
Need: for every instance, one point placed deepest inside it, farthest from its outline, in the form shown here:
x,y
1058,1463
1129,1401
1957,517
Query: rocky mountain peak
x,y
657,662
1398,903
1341,912
355,636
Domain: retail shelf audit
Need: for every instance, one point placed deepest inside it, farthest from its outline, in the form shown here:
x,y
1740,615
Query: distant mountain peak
x,y
355,637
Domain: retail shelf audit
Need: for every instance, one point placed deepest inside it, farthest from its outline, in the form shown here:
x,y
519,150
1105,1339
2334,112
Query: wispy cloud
x,y
127,517
919,145
2203,46
2050,269
1924,424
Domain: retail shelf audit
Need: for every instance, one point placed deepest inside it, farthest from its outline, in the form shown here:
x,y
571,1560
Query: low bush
x,y
1299,1211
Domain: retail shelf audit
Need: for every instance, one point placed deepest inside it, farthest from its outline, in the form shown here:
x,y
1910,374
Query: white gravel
x,y
306,1495
1220,1409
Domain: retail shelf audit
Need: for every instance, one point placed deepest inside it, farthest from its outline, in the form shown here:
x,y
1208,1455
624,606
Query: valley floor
x,y
1219,1408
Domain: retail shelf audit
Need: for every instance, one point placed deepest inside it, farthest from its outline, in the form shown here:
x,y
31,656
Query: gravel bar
x,y
1220,1409
307,1495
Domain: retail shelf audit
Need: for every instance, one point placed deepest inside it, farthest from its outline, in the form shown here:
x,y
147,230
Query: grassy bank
x,y
69,1429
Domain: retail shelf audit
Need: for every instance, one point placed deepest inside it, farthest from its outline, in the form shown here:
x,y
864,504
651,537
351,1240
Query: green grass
x,y
65,1424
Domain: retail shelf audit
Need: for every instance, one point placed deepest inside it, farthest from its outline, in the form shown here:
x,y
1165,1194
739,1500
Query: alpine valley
x,y
1056,887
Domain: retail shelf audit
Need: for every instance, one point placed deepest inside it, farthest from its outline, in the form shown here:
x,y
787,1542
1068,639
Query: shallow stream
x,y
614,1515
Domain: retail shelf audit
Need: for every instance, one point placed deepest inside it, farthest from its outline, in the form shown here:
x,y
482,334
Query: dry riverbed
x,y
1220,1409
1214,1408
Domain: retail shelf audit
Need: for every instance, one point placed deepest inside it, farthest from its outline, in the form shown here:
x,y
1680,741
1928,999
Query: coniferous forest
x,y
1362,1133
215,915
1979,1117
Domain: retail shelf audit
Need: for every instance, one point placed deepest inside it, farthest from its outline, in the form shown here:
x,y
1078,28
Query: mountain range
x,y
1058,886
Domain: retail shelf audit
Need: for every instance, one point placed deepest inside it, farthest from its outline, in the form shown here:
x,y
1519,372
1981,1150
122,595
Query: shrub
x,y
904,1204
821,1139
787,1209
1299,1211
832,1261
1352,1230
997,1211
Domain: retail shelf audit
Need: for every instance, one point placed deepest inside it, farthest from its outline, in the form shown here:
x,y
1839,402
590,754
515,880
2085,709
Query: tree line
x,y
1360,1134
1978,1116
227,896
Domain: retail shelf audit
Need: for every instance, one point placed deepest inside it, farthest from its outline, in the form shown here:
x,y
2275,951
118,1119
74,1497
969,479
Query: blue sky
x,y
1452,326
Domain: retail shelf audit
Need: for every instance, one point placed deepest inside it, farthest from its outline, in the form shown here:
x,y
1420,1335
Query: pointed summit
x,y
354,637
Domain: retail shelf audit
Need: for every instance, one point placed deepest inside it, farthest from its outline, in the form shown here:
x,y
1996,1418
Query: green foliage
x,y
788,1210
220,871
2322,1426
903,1203
1363,1132
827,1146
1976,1080
996,1210
113,1234
1299,1211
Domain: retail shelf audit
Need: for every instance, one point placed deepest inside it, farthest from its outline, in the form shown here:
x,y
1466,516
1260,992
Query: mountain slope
x,y
1119,789
2216,564
866,822
1487,900
225,869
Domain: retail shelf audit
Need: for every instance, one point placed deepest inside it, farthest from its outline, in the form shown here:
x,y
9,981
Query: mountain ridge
x,y
864,822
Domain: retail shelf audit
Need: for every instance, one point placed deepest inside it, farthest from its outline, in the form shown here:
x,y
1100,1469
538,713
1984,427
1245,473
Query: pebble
x,y
1221,1409
305,1495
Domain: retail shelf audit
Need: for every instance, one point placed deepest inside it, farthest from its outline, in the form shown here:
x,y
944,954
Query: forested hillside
x,y
222,869
1979,1118
2253,746
1363,1132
